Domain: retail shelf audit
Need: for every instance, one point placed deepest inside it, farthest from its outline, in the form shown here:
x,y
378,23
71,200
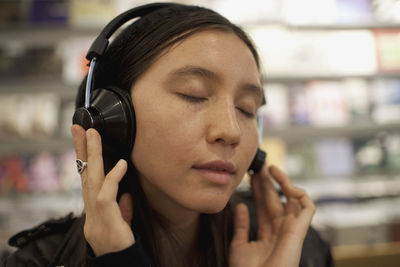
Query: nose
x,y
223,126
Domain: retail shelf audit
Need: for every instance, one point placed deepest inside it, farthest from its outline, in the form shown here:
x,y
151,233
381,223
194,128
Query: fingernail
x,y
88,134
120,163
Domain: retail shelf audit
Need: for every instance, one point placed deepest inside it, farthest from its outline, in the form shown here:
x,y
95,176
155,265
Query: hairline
x,y
169,44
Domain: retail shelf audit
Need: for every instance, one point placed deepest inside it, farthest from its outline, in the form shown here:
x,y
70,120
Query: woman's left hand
x,y
281,228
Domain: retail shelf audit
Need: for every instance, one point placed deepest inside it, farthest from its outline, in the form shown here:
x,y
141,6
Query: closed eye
x,y
247,114
193,99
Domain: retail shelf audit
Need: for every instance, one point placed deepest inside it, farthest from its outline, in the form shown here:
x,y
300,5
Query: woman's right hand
x,y
107,225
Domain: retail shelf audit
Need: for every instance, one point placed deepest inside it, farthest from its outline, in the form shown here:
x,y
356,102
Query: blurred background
x,y
332,80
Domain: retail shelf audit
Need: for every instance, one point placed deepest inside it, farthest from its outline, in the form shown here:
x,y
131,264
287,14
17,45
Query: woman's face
x,y
196,121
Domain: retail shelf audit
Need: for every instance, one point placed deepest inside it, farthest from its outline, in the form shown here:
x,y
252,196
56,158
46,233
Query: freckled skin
x,y
173,134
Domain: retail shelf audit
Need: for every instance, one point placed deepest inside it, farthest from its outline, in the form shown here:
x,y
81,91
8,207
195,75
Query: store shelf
x,y
19,146
385,254
295,79
34,85
365,187
344,197
344,26
303,133
43,36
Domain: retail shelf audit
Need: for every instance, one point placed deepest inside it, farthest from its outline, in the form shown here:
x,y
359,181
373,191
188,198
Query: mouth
x,y
218,172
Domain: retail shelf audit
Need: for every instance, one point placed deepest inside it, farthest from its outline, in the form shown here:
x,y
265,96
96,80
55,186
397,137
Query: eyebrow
x,y
192,70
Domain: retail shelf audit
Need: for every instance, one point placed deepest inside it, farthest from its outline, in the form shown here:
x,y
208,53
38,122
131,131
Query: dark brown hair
x,y
127,58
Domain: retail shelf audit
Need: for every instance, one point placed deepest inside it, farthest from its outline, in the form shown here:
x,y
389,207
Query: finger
x,y
95,167
308,207
109,189
241,224
79,138
267,198
292,206
284,182
106,200
126,207
259,203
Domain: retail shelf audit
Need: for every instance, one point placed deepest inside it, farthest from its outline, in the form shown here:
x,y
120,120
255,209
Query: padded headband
x,y
100,44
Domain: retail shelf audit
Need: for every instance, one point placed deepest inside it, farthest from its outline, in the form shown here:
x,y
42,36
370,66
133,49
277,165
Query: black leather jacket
x,y
61,243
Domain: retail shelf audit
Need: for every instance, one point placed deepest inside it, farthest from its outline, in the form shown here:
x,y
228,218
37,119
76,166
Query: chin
x,y
212,205
213,210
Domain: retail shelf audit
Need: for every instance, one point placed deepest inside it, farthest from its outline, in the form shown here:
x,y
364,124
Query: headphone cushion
x,y
112,114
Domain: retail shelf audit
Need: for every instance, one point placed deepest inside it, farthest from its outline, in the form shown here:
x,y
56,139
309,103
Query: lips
x,y
218,172
218,166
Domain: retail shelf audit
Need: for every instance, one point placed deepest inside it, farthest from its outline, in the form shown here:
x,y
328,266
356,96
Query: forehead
x,y
221,52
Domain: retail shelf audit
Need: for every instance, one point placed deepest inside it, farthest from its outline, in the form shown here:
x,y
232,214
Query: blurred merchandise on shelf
x,y
17,60
42,61
29,115
332,103
298,105
276,149
38,173
68,178
385,95
95,13
357,99
369,155
378,154
355,11
392,148
335,157
10,13
326,11
73,54
369,225
329,12
11,61
386,10
266,11
91,13
275,113
13,176
331,77
48,12
326,104
301,163
315,53
388,49
328,158
67,111
43,176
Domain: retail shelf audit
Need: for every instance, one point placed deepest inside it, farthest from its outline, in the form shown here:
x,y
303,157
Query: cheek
x,y
163,134
248,148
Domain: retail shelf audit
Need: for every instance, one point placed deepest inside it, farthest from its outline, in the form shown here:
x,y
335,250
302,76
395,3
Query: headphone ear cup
x,y
112,114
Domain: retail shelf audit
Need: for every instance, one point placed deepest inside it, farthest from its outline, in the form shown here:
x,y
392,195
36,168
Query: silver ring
x,y
81,165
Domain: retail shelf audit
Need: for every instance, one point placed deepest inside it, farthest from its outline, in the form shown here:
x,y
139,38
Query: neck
x,y
177,232
183,228
178,229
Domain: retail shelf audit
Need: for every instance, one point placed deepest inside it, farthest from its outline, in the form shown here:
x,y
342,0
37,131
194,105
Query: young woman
x,y
194,81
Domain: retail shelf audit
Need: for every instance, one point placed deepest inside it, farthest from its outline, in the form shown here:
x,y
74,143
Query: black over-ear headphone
x,y
110,110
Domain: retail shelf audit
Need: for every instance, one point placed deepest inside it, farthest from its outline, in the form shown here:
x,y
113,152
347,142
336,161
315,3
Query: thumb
x,y
126,207
241,224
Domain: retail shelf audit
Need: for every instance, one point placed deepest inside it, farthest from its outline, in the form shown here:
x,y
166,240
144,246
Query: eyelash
x,y
194,99
247,114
